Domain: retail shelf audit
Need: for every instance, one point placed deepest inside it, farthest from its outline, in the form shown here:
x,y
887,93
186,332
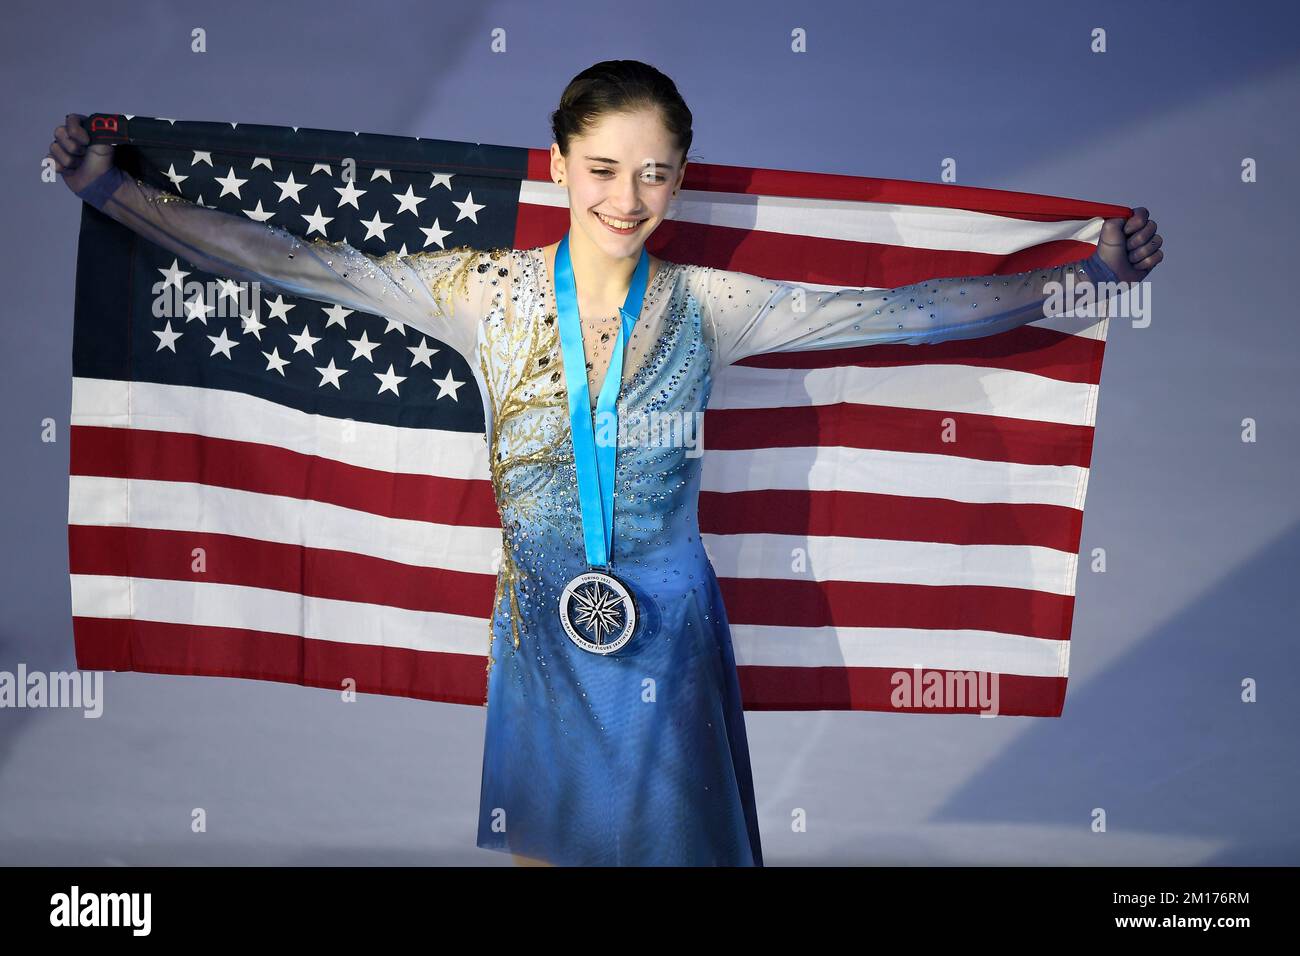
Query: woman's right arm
x,y
441,293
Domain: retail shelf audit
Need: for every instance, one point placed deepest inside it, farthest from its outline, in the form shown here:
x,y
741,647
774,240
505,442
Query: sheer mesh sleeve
x,y
750,315
439,292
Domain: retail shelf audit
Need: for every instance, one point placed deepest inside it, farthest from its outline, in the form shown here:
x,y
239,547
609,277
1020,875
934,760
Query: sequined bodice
x,y
660,412
599,330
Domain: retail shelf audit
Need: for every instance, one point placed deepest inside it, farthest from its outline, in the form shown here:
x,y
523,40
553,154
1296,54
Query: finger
x,y
1136,221
1133,223
75,123
1146,249
1112,232
1150,261
68,152
61,157
1142,235
66,141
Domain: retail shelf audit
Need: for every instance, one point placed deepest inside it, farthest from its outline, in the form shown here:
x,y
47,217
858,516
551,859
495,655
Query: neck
x,y
598,275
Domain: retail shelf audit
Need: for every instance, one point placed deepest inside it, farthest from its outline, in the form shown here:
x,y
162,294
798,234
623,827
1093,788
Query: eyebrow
x,y
614,162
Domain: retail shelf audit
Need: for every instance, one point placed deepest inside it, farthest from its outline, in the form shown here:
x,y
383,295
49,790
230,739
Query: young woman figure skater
x,y
615,730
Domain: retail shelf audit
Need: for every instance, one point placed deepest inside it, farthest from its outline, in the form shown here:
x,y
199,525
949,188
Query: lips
x,y
610,224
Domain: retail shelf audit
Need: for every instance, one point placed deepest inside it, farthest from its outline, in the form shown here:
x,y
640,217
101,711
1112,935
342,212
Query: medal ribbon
x,y
595,466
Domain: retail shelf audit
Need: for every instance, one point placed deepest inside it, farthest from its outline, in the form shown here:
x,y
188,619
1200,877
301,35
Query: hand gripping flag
x,y
224,519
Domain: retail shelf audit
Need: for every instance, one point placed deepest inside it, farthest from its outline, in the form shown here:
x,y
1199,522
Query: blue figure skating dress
x,y
638,757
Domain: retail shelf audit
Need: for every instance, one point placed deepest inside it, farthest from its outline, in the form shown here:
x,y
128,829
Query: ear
x,y
557,164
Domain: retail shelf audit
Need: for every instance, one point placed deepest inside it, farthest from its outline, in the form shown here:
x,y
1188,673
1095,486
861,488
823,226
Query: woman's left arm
x,y
750,315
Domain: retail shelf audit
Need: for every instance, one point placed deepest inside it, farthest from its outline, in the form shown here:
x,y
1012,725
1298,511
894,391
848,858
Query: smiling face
x,y
621,177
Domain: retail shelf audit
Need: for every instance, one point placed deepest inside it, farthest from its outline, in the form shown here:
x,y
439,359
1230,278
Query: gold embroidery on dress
x,y
525,348
445,284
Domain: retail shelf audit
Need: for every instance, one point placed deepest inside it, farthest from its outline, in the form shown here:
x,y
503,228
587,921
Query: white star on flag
x,y
230,183
222,343
448,386
167,338
290,188
389,380
408,201
331,374
469,209
317,221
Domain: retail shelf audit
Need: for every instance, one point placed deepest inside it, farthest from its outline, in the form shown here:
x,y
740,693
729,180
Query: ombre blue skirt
x,y
635,758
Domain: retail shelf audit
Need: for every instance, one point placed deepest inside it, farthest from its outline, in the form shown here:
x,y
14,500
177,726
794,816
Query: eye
x,y
599,172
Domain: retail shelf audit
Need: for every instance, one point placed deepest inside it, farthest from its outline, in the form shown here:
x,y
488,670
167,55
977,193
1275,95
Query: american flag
x,y
301,493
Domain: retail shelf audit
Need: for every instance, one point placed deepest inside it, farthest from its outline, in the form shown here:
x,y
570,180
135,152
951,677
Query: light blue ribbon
x,y
595,466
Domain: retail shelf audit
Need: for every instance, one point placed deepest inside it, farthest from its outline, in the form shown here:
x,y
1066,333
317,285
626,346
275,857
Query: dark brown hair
x,y
620,86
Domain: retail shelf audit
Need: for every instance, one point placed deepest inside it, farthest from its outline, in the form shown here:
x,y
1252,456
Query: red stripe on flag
x,y
313,572
800,604
886,428
856,514
267,469
873,688
541,225
161,648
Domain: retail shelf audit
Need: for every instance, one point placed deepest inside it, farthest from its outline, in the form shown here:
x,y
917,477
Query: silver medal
x,y
597,612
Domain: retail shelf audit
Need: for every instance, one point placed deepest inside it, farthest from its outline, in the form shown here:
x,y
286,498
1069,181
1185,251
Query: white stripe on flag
x,y
236,416
209,509
909,474
279,612
941,388
899,648
833,558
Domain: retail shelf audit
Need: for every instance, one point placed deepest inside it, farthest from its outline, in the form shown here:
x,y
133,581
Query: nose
x,y
627,197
